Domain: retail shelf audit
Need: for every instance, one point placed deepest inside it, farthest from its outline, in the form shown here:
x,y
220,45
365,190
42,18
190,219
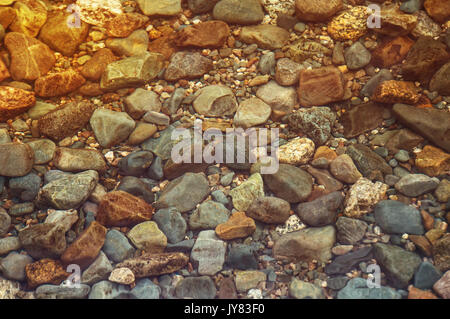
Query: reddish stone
x,y
415,293
93,69
86,247
210,34
57,84
119,208
237,226
391,52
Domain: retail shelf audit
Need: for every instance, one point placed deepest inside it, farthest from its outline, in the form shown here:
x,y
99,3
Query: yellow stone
x,y
349,25
31,16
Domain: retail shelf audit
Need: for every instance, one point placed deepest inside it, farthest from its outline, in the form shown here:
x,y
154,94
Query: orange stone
x,y
433,161
396,92
428,220
14,102
325,152
124,24
237,226
120,208
86,247
45,271
415,293
391,52
4,73
210,34
57,84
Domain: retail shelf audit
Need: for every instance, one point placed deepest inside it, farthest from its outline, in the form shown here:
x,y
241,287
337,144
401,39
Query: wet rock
x,y
317,11
50,85
269,210
25,187
30,16
14,101
322,211
357,288
237,226
208,215
266,36
306,244
395,217
94,67
140,102
5,222
367,161
119,208
426,276
287,72
343,168
13,266
45,271
238,12
251,112
43,240
247,192
8,244
30,58
187,65
161,8
345,263
201,6
362,196
398,264
362,118
132,71
175,193
196,288
111,127
136,163
281,99
440,81
148,237
135,44
171,223
441,253
43,149
248,279
215,100
442,192
141,133
69,191
208,253
442,286
59,35
155,264
117,246
350,230
394,22
122,25
413,185
290,183
75,160
320,86
439,11
66,121
357,56
209,34
396,92
241,257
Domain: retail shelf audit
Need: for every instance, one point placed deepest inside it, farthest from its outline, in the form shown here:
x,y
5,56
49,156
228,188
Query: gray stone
x,y
345,263
15,159
426,276
135,44
280,98
25,187
208,253
171,223
321,211
304,290
108,290
208,215
62,292
367,161
135,163
241,257
97,271
5,222
220,197
8,244
350,230
4,136
187,65
44,150
141,101
13,266
117,247
357,56
267,63
357,288
161,146
69,191
145,289
201,6
196,288
269,210
414,185
111,128
239,12
215,101
411,6
394,217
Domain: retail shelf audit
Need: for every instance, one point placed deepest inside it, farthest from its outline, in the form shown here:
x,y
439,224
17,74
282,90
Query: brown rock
x,y
15,159
441,252
415,293
442,286
43,240
173,170
30,58
320,86
325,152
122,25
14,102
266,36
86,247
439,10
317,10
210,34
424,59
164,45
344,169
427,220
66,121
57,84
45,271
119,208
60,36
4,72
90,89
93,69
76,160
403,139
7,16
391,52
155,264
396,92
227,289
187,65
237,226
433,161
362,118
325,179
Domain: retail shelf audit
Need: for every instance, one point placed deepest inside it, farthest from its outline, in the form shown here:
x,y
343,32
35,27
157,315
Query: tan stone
x,y
155,264
266,36
31,15
395,22
57,84
124,24
317,10
237,226
45,271
433,161
396,92
4,72
86,247
349,25
14,102
119,208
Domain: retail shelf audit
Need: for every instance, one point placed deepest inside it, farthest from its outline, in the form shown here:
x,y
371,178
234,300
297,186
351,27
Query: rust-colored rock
x,y
45,271
422,243
57,84
391,52
395,22
66,121
4,72
86,247
416,293
433,161
173,170
7,16
90,89
325,152
30,58
396,92
122,25
155,264
210,34
119,208
14,102
320,86
237,226
93,69
362,118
